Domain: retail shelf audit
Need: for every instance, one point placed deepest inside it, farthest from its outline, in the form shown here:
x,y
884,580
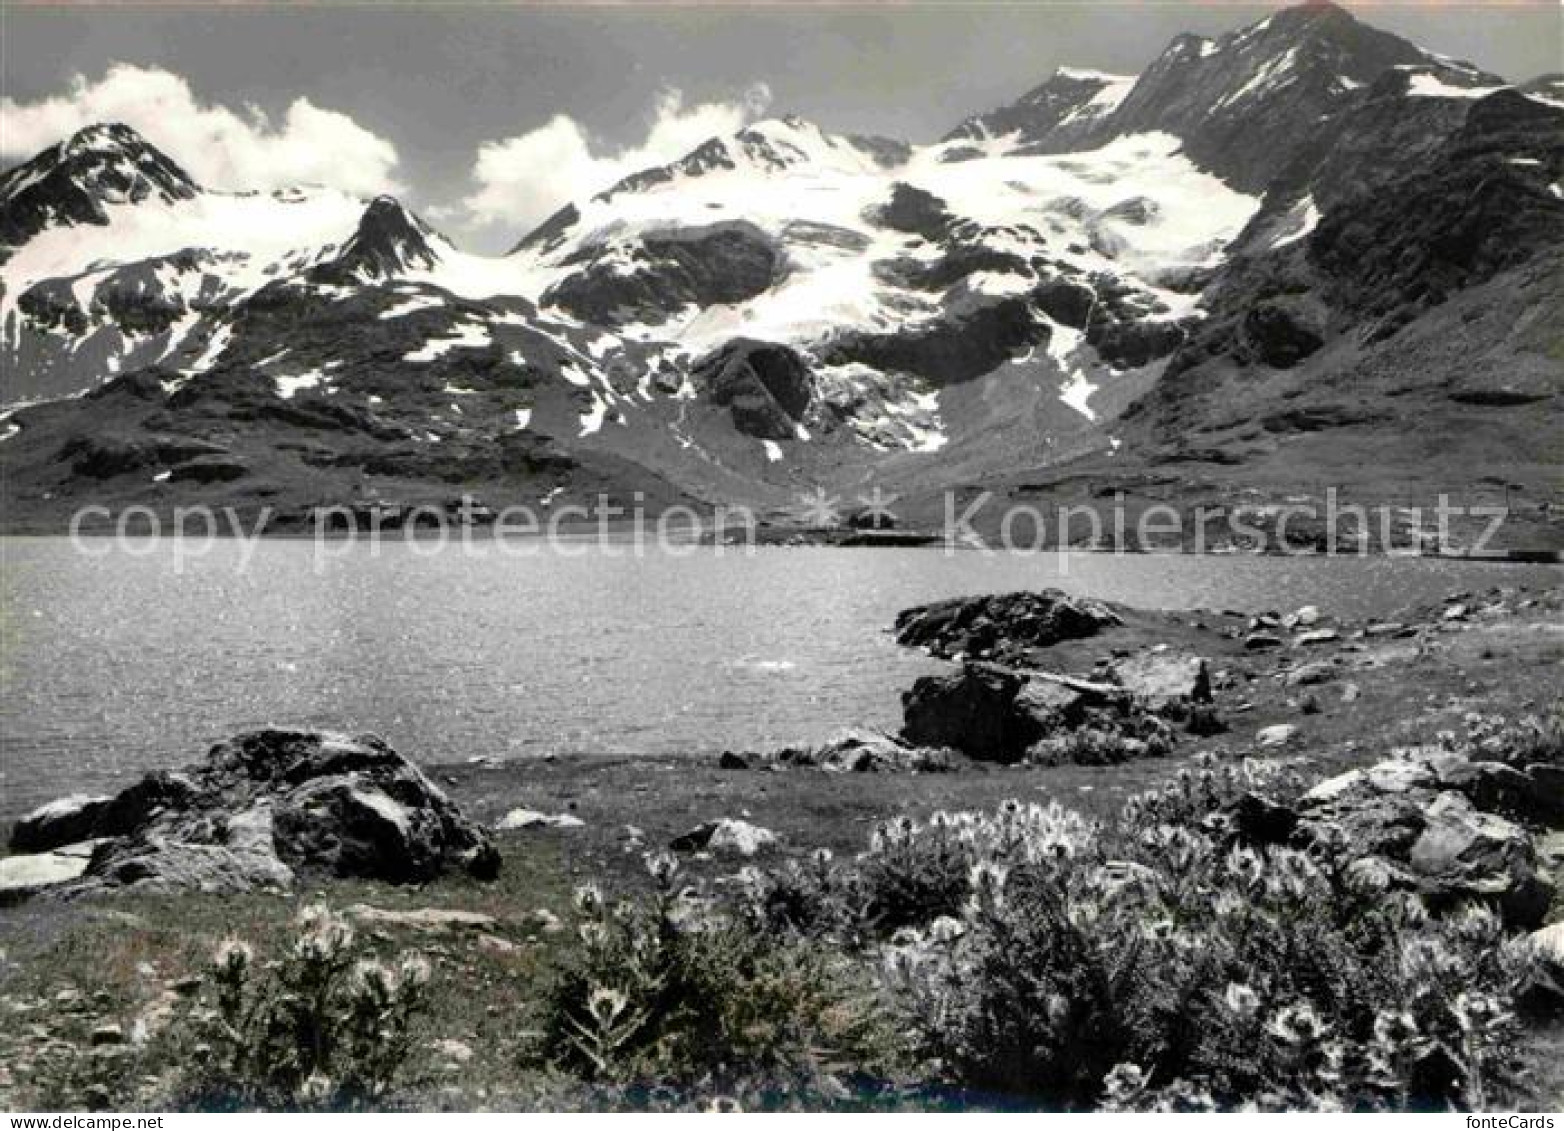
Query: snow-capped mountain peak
x,y
1322,42
1248,102
113,256
772,145
786,142
390,241
75,181
1052,117
118,165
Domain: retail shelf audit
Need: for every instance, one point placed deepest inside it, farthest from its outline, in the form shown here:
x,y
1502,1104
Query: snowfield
x,y
786,171
1132,209
254,237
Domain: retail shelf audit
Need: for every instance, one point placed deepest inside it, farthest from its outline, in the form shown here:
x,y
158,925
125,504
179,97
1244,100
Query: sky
x,y
486,118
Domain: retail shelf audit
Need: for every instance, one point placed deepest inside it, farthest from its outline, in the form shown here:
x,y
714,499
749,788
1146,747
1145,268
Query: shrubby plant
x,y
319,1027
74,1075
814,897
1158,963
1520,742
1149,737
668,1000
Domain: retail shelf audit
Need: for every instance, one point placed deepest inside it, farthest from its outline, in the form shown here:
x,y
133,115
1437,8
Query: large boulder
x,y
725,837
1463,853
1424,827
1531,793
997,714
1162,679
268,805
1001,626
972,710
1394,776
1385,825
1492,786
71,820
217,852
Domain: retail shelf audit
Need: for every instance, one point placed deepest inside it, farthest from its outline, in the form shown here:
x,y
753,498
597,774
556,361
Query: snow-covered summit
x,y
76,181
113,256
111,162
1060,114
1248,102
819,205
390,241
772,145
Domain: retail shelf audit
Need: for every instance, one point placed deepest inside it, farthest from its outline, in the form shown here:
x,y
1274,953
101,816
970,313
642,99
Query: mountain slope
x,y
1482,202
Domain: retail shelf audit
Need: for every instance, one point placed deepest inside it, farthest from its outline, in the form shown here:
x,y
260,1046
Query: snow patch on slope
x,y
466,335
1426,85
1064,346
287,386
1115,90
592,419
411,305
1301,219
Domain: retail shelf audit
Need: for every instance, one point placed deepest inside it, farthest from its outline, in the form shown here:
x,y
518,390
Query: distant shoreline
x,y
781,536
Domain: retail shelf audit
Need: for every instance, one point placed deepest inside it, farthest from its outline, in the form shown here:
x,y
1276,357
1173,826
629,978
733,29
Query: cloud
x,y
217,146
522,180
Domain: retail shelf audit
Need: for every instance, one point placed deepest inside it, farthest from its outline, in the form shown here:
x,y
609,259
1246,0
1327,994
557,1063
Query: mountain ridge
x,y
937,315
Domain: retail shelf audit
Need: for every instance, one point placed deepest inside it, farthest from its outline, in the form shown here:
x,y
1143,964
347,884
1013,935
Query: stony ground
x,y
110,972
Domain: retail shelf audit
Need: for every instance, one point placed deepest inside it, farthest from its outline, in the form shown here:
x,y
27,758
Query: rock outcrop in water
x,y
1001,706
1001,626
262,809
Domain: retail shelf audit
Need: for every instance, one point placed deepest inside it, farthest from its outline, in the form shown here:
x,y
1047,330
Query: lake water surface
x,y
114,664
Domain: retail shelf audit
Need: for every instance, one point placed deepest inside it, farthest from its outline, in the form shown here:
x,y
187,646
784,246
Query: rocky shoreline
x,y
354,519
1037,680
1429,819
1396,730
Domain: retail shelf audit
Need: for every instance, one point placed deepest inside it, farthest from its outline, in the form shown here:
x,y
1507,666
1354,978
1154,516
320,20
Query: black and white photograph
x,y
781,556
